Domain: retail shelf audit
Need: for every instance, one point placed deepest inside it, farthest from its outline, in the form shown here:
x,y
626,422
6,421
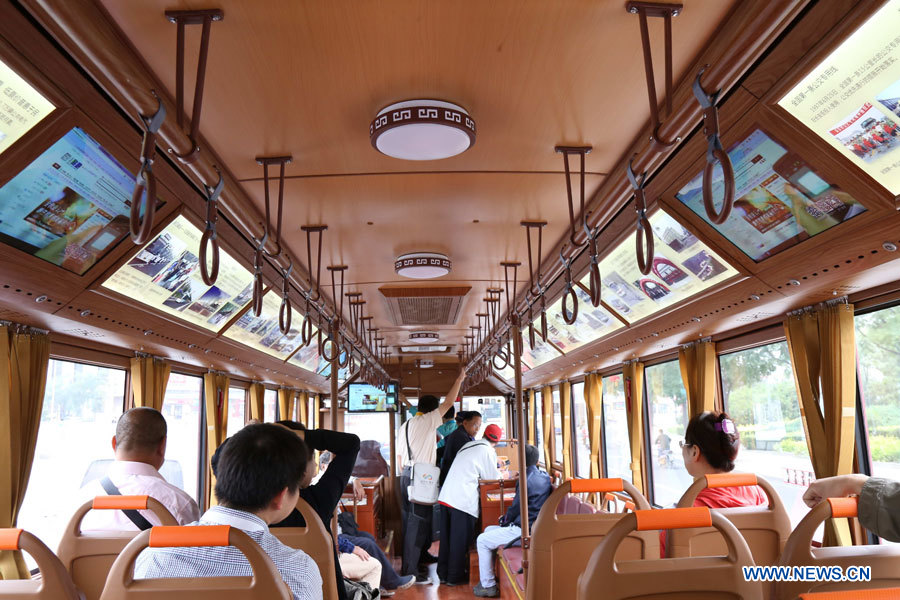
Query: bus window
x,y
668,419
237,399
557,427
878,346
759,394
270,406
539,426
181,408
370,426
492,409
615,428
78,420
582,439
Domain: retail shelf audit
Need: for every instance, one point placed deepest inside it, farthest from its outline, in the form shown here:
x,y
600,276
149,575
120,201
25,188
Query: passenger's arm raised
x,y
453,393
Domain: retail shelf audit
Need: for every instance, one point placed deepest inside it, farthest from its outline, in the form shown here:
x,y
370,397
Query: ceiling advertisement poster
x,y
21,107
852,98
779,199
165,274
263,332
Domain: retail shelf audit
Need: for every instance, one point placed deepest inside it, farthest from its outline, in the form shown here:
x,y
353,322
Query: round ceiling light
x,y
422,265
424,337
422,130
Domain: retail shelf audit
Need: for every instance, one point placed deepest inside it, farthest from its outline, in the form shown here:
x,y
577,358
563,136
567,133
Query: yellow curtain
x,y
547,414
317,411
24,357
257,401
565,413
633,373
149,377
531,397
593,392
215,391
698,372
303,402
822,346
286,403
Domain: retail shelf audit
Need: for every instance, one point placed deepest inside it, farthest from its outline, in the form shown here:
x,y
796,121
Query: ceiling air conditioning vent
x,y
424,305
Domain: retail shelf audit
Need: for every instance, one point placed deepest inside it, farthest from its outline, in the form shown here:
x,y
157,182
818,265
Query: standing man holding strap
x,y
421,447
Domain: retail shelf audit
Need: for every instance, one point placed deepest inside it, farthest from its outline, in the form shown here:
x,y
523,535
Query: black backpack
x,y
360,590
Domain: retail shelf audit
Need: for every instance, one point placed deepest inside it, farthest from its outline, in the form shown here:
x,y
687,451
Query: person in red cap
x,y
459,496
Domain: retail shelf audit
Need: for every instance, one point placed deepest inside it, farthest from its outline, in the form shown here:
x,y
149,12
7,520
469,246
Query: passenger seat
x,y
54,582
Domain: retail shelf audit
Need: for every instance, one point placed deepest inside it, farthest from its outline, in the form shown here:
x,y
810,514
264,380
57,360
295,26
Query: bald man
x,y
140,449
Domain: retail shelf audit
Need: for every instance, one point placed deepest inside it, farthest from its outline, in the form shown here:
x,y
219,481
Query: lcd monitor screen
x,y
779,199
852,98
21,107
367,398
165,274
70,206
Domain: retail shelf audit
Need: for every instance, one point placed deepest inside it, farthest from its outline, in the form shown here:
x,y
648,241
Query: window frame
x,y
573,445
558,465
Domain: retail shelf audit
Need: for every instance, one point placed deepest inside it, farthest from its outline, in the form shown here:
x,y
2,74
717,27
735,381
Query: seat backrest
x,y
54,582
265,583
764,528
89,556
315,541
884,560
879,594
707,577
562,543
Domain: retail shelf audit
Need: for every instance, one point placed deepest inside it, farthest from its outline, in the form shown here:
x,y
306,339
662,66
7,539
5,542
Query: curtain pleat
x,y
257,398
149,377
633,373
698,373
531,421
215,393
286,403
317,411
303,407
24,357
547,414
593,390
565,411
822,346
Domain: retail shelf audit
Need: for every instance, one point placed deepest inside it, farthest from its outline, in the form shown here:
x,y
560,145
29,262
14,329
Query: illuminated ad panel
x,y
263,333
308,357
70,206
542,351
21,107
682,266
165,275
591,324
852,98
779,200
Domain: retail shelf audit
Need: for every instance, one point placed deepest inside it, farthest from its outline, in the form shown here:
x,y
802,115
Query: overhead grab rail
x,y
181,18
285,310
210,237
144,193
569,316
644,248
536,288
314,284
581,151
715,153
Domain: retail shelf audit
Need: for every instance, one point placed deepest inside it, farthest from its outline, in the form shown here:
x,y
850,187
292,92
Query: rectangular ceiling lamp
x,y
851,99
779,199
423,349
165,275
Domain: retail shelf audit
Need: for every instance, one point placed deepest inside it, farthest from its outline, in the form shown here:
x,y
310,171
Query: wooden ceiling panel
x,y
307,78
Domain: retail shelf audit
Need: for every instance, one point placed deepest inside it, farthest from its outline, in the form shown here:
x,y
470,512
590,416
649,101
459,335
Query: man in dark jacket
x,y
324,495
539,488
465,433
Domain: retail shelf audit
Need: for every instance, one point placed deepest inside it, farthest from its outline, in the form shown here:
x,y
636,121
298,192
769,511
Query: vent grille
x,y
757,316
424,306
87,333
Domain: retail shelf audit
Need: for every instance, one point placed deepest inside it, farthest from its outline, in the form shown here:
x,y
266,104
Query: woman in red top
x,y
711,444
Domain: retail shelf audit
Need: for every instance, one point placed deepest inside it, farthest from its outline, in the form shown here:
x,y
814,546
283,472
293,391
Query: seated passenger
x,y
510,528
711,444
259,476
879,500
140,449
461,501
358,565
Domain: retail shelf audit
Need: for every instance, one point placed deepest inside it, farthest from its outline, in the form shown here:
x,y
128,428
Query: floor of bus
x,y
435,590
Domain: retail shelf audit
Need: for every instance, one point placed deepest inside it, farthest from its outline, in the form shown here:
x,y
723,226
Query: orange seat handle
x,y
673,518
844,507
879,594
720,480
120,502
590,486
9,539
190,536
